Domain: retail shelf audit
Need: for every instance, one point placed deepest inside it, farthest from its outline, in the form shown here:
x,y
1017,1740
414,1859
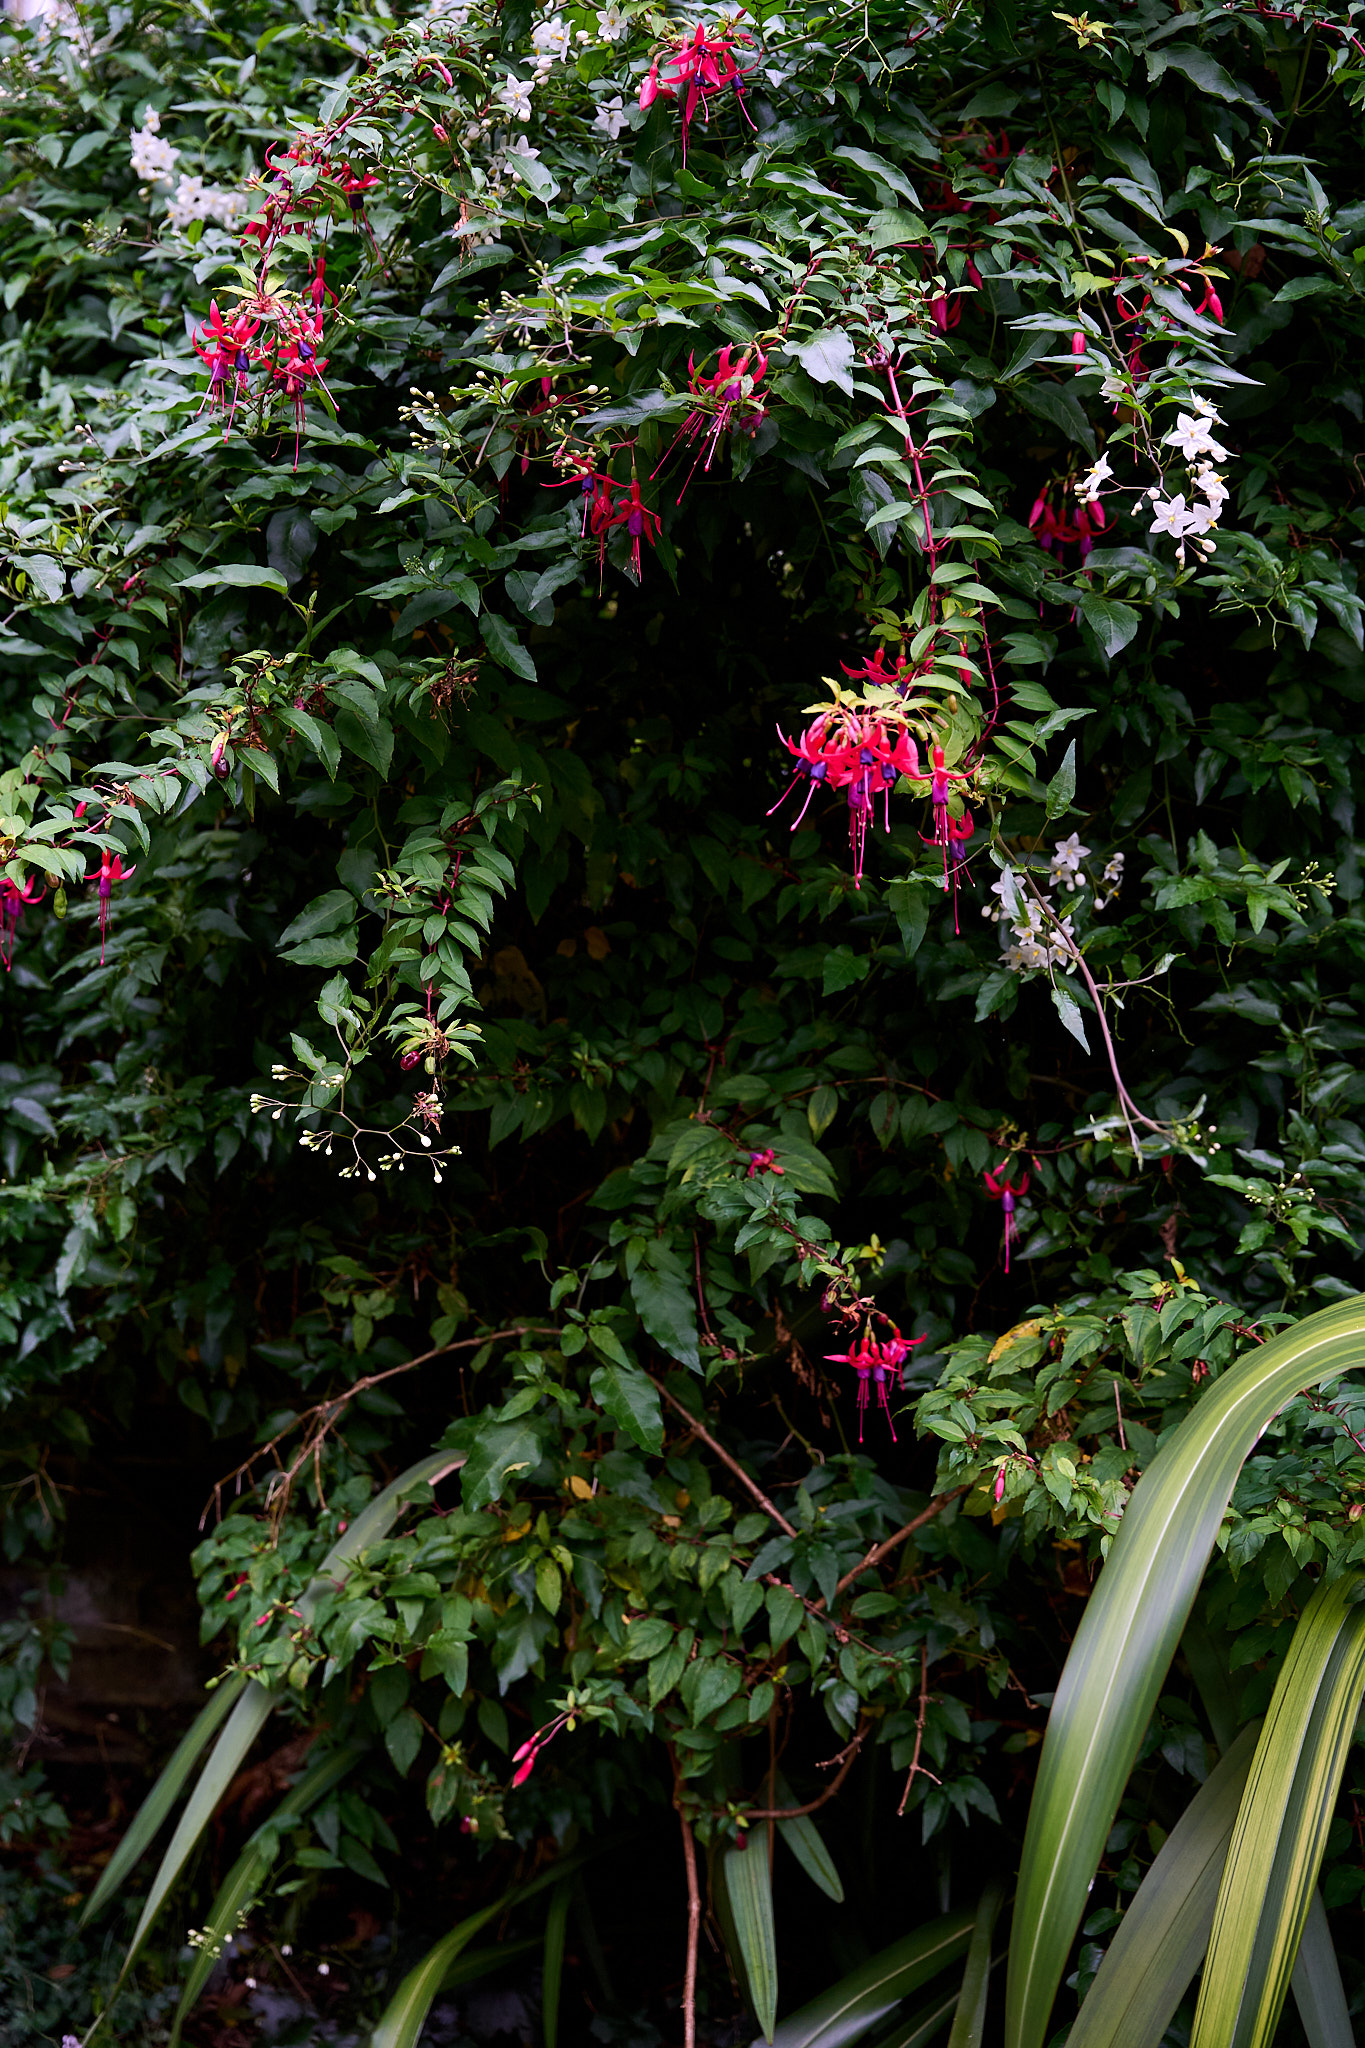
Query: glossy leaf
x,y
1319,1992
1127,1637
144,1826
552,1972
1281,1830
849,2008
749,1886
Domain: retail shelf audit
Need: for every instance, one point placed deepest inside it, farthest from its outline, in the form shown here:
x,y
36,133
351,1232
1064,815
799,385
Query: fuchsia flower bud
x,y
1000,1486
217,758
1078,343
439,132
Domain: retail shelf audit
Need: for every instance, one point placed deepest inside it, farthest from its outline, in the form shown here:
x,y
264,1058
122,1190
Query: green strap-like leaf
x,y
552,1972
922,2026
250,1871
1319,1992
1127,1637
1164,1935
256,1702
969,2018
846,2011
405,2015
807,1845
1281,1830
748,1881
147,1821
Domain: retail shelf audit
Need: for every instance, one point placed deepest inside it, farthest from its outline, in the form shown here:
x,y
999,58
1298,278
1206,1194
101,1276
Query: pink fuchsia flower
x,y
854,751
640,523
1066,524
941,777
1008,1197
299,369
109,871
959,830
525,1757
730,402
763,1162
222,345
13,900
702,68
878,1364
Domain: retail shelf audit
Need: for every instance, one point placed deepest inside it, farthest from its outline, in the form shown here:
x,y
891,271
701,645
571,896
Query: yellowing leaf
x,y
1019,1334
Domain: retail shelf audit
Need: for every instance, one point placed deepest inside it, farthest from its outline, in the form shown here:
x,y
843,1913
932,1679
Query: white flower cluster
x,y
1192,437
1088,489
152,156
1111,881
1065,870
194,200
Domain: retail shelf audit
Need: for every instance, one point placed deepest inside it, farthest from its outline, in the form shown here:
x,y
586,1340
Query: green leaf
x,y
1070,1012
807,1845
1127,1636
500,1450
243,1882
1281,1830
1318,1989
405,2015
324,914
1162,1939
163,1795
1113,624
663,1301
846,2011
632,1401
1062,789
236,576
828,357
505,648
969,2021
748,1884
552,1970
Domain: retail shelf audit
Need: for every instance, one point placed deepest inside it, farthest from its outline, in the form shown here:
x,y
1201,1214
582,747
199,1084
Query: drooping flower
x,y
1008,1197
763,1162
941,777
525,1757
857,752
960,830
1076,517
109,871
222,345
879,1364
298,369
12,902
700,69
729,400
640,523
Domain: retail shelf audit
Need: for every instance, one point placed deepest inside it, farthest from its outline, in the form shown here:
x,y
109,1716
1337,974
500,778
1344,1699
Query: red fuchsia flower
x,y
640,523
298,370
595,492
222,345
1008,1197
704,66
940,777
13,900
109,871
879,1364
525,1757
763,1162
1071,526
731,402
850,750
218,760
875,670
959,830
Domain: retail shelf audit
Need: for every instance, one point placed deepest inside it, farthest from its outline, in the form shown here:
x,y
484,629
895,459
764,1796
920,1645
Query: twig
x,y
845,1760
915,1764
752,1486
330,1409
881,1550
689,2000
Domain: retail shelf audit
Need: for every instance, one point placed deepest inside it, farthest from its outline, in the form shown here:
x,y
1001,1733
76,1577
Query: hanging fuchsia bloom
x,y
731,403
640,523
222,345
1008,1197
1072,526
879,1364
853,751
525,1757
875,670
595,492
703,67
13,900
298,370
109,871
763,1162
960,830
940,777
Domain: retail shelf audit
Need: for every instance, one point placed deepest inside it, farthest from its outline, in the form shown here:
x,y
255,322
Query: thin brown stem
x,y
884,1549
330,1409
915,1765
846,1760
689,2000
751,1486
